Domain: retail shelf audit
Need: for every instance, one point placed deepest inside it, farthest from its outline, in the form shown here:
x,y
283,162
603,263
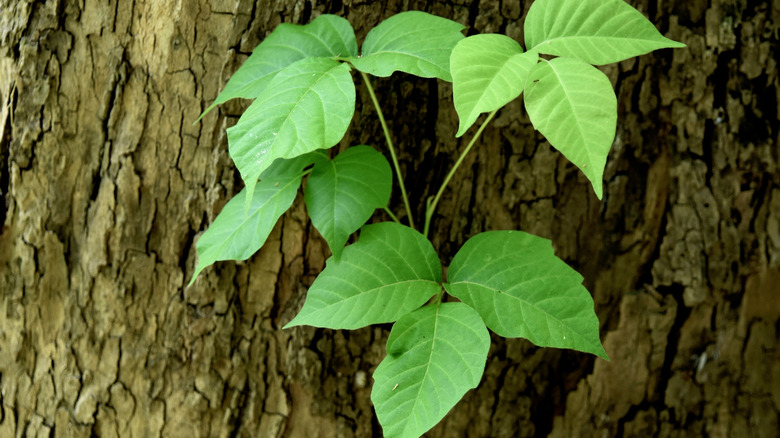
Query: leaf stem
x,y
392,216
389,146
431,207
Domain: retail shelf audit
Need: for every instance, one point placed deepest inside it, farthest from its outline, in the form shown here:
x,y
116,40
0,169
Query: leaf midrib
x,y
596,37
294,107
428,364
363,293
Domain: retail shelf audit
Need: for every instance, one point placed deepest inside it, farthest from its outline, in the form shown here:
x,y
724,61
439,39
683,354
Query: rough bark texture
x,y
106,184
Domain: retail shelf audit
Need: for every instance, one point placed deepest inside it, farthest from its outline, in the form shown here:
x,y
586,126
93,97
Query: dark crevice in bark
x,y
189,243
2,402
113,18
306,13
646,269
652,11
757,125
472,18
761,194
683,312
277,309
350,422
376,428
544,408
706,147
720,78
5,165
337,7
658,403
314,346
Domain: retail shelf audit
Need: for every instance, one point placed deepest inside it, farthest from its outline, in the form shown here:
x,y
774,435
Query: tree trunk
x,y
107,183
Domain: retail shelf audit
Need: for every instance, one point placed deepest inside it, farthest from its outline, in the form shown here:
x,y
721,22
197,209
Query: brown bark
x,y
106,184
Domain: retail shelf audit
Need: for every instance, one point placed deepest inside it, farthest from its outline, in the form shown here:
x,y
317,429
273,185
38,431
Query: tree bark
x,y
106,184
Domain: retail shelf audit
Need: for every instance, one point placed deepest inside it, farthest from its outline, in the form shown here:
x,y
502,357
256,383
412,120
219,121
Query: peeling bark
x,y
106,185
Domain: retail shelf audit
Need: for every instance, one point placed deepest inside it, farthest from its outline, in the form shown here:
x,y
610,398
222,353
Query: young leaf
x,y
235,235
307,106
341,195
390,271
572,104
521,289
326,36
413,42
595,31
488,71
434,356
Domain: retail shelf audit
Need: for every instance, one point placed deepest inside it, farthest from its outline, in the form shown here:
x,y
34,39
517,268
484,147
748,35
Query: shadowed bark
x,y
106,184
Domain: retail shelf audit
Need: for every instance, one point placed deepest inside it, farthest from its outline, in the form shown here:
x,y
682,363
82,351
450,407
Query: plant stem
x,y
389,146
392,216
431,207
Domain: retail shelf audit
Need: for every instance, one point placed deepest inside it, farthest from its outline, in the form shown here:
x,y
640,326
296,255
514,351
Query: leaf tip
x,y
203,114
295,322
198,268
599,194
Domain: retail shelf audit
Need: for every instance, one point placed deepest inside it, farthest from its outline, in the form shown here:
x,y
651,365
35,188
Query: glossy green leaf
x,y
341,195
572,103
595,31
307,106
434,356
390,271
237,234
413,42
326,36
521,289
488,71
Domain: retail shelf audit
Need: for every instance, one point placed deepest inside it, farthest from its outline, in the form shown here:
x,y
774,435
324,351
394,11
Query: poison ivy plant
x,y
509,282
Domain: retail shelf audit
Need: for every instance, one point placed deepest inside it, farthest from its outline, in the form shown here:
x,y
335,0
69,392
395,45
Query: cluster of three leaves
x,y
568,100
305,96
509,281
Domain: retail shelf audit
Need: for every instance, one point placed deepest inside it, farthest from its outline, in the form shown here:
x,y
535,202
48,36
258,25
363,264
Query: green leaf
x,y
434,356
595,31
521,289
572,104
341,195
390,271
307,106
326,36
413,42
488,71
236,235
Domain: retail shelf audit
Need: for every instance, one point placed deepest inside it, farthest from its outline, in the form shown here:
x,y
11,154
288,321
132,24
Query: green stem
x,y
392,216
431,207
389,146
